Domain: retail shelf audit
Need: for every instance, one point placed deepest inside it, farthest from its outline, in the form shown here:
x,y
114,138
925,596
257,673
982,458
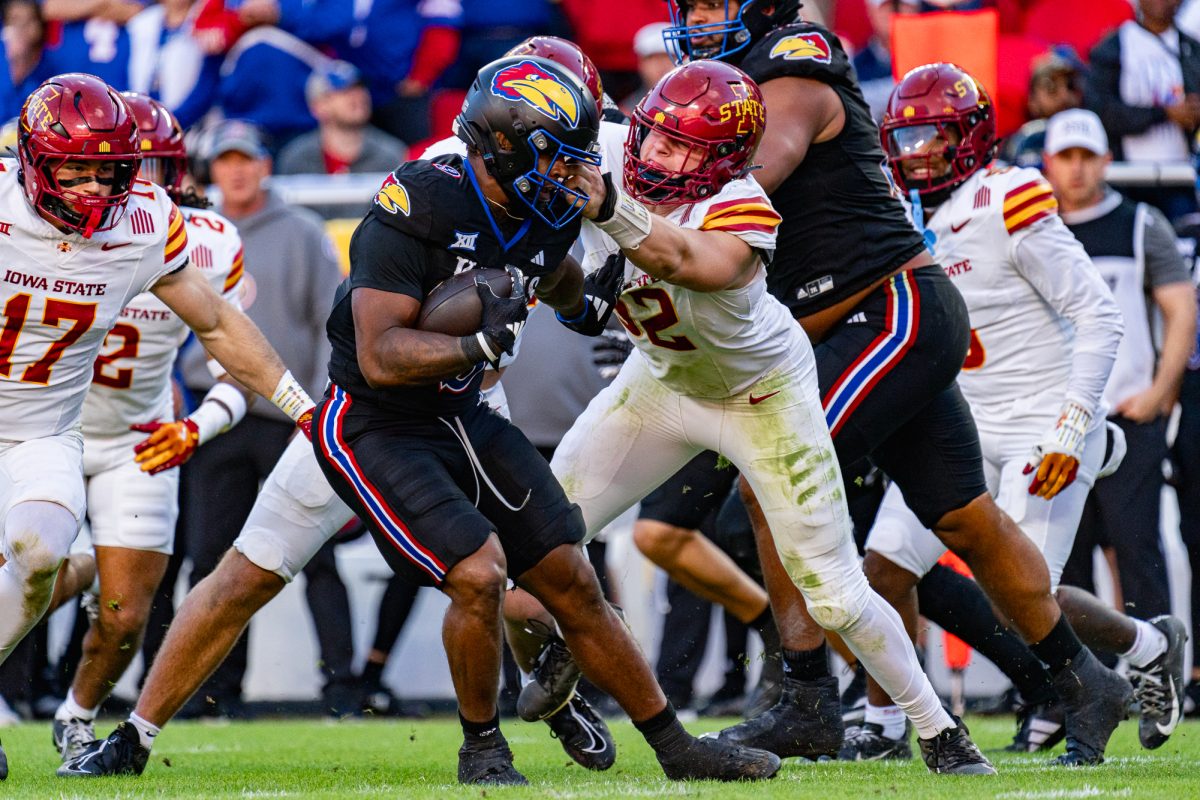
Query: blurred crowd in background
x,y
327,87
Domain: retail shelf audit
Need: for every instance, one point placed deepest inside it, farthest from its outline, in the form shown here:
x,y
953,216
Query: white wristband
x,y
222,408
1072,428
290,397
630,223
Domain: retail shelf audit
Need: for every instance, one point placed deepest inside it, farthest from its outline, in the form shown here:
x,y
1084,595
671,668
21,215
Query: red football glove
x,y
169,444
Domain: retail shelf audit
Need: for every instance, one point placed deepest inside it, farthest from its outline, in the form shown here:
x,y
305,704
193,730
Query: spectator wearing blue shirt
x,y
93,37
25,64
491,29
168,62
401,46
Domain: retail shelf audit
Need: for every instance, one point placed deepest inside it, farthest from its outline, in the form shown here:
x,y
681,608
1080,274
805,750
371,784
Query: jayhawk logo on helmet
x,y
803,45
392,197
535,86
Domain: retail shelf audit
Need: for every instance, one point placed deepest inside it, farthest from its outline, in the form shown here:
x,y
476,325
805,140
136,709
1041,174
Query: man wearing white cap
x,y
1134,248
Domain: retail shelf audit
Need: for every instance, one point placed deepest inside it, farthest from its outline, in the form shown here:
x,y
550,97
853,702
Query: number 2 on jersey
x,y
81,315
122,377
656,325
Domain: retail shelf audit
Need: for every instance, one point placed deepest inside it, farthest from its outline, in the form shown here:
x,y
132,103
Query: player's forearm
x,y
407,357
240,347
1179,334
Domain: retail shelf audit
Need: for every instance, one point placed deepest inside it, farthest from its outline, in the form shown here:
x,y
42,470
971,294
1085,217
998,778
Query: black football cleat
x,y
3,764
692,759
1039,727
769,687
805,723
867,743
120,754
555,675
488,762
70,736
854,700
1158,687
1096,700
583,734
952,752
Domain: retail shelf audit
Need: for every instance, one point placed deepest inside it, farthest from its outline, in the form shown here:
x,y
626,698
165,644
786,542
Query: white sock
x,y
1149,644
890,718
146,730
70,709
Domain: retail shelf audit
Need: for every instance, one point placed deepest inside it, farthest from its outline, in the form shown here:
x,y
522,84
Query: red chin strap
x,y
92,220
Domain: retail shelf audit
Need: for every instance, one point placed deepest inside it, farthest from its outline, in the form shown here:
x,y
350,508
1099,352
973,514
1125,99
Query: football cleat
x,y
805,723
1039,727
488,761
555,675
1158,687
3,764
867,743
1096,700
854,700
769,687
120,754
692,759
583,734
71,736
952,752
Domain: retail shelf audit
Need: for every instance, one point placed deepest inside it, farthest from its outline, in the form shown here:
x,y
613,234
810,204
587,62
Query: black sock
x,y
1060,647
764,624
957,605
480,730
372,673
661,730
806,665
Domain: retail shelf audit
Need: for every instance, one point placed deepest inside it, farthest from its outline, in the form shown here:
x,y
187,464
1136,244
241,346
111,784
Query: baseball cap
x,y
237,135
332,76
648,41
1076,127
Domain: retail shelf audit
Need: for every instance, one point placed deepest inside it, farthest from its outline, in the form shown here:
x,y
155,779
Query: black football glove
x,y
600,292
610,351
502,318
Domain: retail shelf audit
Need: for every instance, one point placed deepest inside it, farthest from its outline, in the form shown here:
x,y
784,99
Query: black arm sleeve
x,y
1102,94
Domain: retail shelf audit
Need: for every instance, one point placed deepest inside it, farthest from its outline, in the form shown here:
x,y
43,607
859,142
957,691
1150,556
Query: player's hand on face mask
x,y
169,445
1055,460
601,289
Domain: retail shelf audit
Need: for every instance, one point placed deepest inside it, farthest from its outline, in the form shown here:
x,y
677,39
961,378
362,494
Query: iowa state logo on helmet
x,y
803,45
536,87
392,197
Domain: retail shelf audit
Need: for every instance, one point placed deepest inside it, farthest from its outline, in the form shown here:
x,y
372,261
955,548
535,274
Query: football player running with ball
x,y
132,481
891,333
1044,336
81,239
721,365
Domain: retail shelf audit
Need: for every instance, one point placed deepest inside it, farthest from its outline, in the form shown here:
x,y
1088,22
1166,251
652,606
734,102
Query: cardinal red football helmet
x,y
77,117
938,110
571,56
160,137
714,110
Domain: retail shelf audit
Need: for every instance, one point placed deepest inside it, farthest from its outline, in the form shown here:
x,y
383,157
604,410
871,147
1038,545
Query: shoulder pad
x,y
419,198
1028,198
800,50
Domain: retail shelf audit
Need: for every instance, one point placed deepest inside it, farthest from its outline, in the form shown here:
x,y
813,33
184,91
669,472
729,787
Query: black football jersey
x,y
843,226
428,222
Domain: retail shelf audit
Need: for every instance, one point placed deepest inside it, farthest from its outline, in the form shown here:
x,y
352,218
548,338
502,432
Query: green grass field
x,y
417,760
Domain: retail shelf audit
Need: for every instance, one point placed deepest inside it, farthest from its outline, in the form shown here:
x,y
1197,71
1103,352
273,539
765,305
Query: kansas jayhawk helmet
x,y
571,56
712,111
937,110
160,137
77,117
730,37
522,114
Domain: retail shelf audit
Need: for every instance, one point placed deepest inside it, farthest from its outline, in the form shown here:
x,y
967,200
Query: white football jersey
x,y
131,381
1029,289
709,344
60,294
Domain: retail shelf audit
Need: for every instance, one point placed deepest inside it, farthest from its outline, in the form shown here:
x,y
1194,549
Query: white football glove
x,y
1055,459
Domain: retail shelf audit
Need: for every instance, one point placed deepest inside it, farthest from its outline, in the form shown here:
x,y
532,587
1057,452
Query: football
x,y
453,307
